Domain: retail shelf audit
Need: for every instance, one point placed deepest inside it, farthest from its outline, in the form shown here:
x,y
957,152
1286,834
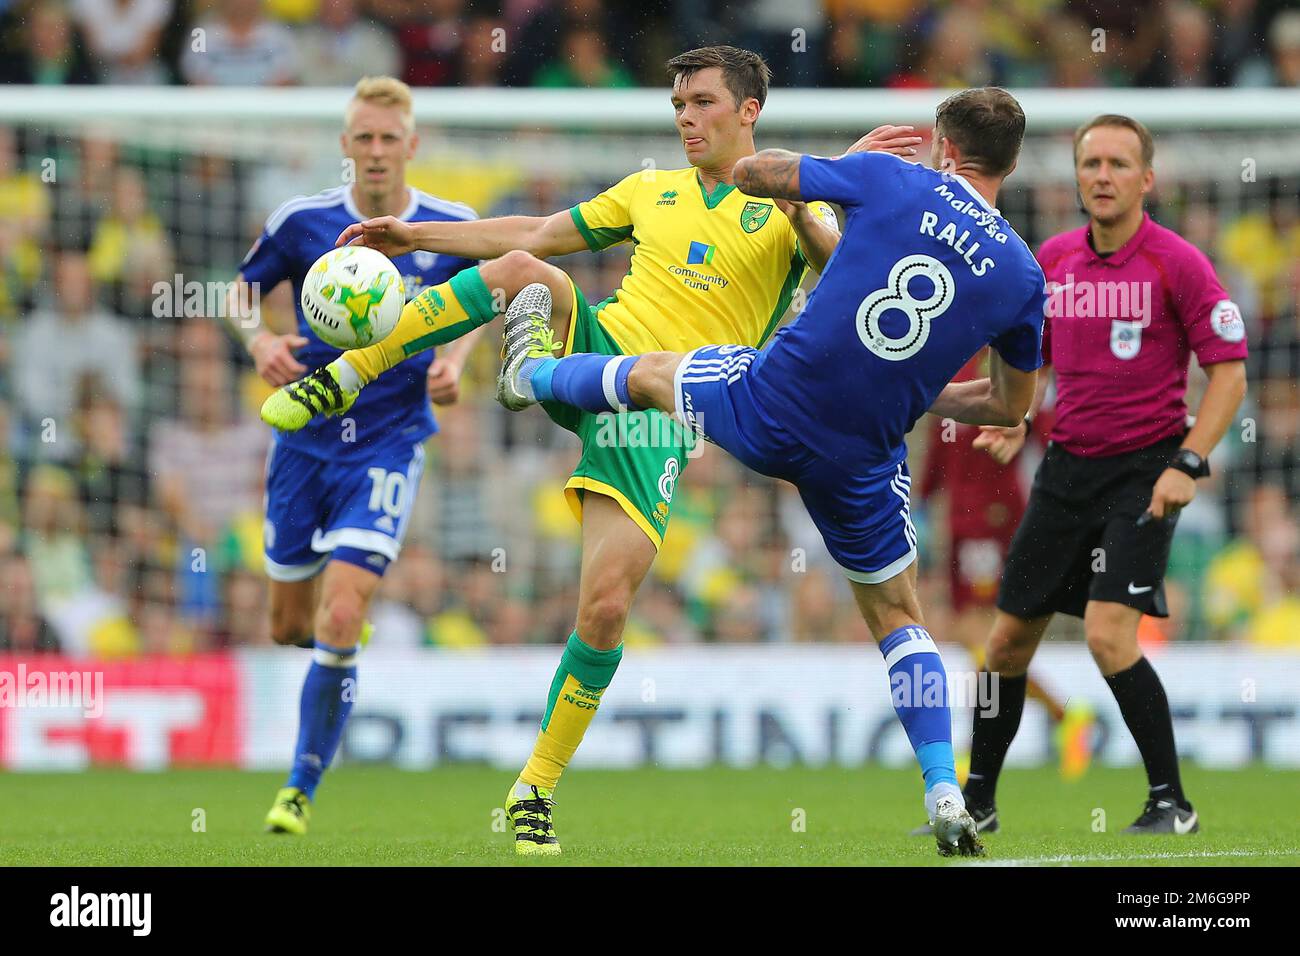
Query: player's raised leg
x,y
438,315
329,688
616,555
531,373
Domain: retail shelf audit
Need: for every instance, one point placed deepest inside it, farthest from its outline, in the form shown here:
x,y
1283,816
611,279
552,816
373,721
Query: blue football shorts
x,y
864,515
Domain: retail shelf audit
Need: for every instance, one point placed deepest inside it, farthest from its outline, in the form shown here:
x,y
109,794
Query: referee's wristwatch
x,y
1190,463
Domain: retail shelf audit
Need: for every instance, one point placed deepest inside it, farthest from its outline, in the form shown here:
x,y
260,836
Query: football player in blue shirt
x,y
339,493
926,274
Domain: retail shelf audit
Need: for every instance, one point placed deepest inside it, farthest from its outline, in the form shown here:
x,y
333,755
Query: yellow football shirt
x,y
707,268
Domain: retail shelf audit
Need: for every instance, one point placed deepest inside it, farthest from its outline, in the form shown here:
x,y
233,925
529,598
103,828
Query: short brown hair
x,y
986,124
1126,122
745,73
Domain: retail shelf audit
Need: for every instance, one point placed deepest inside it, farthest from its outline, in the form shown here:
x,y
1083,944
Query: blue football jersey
x,y
925,274
394,407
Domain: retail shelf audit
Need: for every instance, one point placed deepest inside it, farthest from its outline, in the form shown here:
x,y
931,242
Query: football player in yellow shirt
x,y
710,264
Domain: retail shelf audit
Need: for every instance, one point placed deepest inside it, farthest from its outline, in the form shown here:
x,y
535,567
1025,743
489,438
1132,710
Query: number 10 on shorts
x,y
387,489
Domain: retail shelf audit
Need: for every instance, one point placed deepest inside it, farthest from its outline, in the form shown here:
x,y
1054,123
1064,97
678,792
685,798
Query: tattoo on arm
x,y
773,173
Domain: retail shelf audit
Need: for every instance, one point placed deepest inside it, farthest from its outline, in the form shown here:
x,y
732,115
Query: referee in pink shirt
x,y
1129,302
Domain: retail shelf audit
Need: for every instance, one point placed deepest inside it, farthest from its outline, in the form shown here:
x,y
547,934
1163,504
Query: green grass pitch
x,y
796,816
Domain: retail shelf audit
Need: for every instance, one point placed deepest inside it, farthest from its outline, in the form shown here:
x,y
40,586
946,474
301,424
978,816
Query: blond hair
x,y
382,91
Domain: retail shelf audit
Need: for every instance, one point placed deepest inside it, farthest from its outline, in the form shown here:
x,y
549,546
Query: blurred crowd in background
x,y
131,456
602,43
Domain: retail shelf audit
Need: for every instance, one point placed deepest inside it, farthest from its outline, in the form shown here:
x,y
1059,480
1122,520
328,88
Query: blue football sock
x,y
595,383
918,688
327,696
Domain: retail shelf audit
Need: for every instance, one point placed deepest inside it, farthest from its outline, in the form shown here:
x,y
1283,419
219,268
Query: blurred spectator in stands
x,y
23,629
24,219
246,620
51,52
110,476
1239,48
1282,65
55,346
537,36
410,595
432,43
124,35
291,11
53,535
10,514
1055,208
207,465
657,618
723,560
584,61
87,619
1253,586
866,39
1262,246
1130,35
478,610
208,217
463,509
1072,61
814,607
738,617
130,251
955,54
1186,57
789,34
340,47
486,48
153,608
81,199
237,46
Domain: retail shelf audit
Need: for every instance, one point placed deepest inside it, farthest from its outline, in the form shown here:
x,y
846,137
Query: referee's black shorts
x,y
1079,540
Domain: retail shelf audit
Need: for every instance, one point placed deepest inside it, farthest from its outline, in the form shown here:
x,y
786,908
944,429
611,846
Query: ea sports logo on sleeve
x,y
1225,319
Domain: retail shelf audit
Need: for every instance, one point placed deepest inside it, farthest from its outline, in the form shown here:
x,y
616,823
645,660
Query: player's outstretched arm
x,y
770,173
543,236
1004,398
774,174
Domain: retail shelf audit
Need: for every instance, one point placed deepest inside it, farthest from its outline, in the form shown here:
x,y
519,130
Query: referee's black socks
x,y
993,733
1142,701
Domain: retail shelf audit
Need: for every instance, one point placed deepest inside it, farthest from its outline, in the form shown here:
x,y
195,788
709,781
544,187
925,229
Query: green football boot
x,y
290,408
529,809
290,812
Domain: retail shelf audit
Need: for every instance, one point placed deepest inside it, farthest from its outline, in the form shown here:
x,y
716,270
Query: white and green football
x,y
352,297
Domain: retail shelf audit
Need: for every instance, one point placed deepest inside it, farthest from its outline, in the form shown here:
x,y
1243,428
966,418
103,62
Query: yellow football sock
x,y
579,683
438,315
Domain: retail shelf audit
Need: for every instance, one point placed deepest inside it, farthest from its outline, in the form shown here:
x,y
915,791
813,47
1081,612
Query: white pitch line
x,y
1118,857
